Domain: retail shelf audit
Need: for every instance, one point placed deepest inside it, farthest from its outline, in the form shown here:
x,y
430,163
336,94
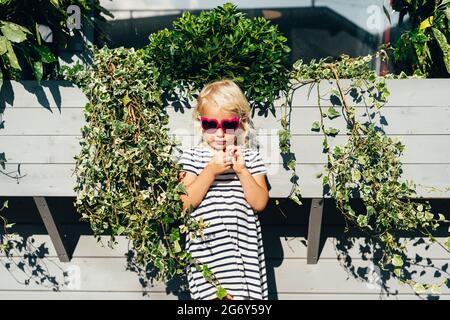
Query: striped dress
x,y
232,245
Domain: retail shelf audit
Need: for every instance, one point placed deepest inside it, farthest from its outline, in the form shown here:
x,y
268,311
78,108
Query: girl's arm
x,y
196,187
255,189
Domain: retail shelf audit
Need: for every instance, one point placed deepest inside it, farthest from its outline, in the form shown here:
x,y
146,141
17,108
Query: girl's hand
x,y
219,163
237,158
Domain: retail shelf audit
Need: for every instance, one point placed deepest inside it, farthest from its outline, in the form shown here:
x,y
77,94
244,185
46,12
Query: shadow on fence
x,y
29,262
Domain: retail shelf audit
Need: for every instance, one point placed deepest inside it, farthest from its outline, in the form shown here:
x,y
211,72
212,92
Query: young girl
x,y
226,185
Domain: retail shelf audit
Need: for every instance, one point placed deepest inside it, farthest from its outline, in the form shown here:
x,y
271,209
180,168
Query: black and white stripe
x,y
232,245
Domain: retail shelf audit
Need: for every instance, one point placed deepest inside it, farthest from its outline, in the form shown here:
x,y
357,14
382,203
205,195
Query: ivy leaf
x,y
315,126
370,210
292,164
126,100
429,216
362,220
331,131
325,145
356,175
177,247
221,293
120,230
332,113
325,181
397,261
337,151
206,272
295,199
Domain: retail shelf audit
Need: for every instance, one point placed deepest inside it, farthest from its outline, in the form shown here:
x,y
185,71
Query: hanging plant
x,y
127,181
368,165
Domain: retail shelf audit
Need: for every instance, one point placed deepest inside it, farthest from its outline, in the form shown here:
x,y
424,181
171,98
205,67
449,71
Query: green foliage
x,y
221,43
127,181
23,53
368,165
424,48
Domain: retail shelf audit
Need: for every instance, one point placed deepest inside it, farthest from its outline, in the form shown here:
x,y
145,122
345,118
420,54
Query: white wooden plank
x,y
397,120
41,121
40,149
393,120
49,94
330,276
308,149
290,275
83,295
279,242
31,151
420,149
410,92
121,295
57,180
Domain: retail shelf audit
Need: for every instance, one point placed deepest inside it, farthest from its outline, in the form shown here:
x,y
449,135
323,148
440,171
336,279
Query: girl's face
x,y
219,138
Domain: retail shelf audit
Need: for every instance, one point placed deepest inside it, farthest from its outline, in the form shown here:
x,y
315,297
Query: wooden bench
x,y
42,132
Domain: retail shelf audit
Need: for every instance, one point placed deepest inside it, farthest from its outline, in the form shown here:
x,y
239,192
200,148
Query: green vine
x,y
127,181
368,165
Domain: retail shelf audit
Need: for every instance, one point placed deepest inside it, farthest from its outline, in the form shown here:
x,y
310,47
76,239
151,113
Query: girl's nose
x,y
220,132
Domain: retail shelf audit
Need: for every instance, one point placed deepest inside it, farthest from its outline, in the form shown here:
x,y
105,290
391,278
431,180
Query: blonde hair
x,y
227,95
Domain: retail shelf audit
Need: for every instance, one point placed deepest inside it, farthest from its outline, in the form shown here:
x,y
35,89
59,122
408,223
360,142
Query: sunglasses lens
x,y
209,124
230,125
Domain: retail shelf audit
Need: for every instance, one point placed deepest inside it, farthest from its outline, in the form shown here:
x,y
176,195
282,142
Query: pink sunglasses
x,y
225,124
